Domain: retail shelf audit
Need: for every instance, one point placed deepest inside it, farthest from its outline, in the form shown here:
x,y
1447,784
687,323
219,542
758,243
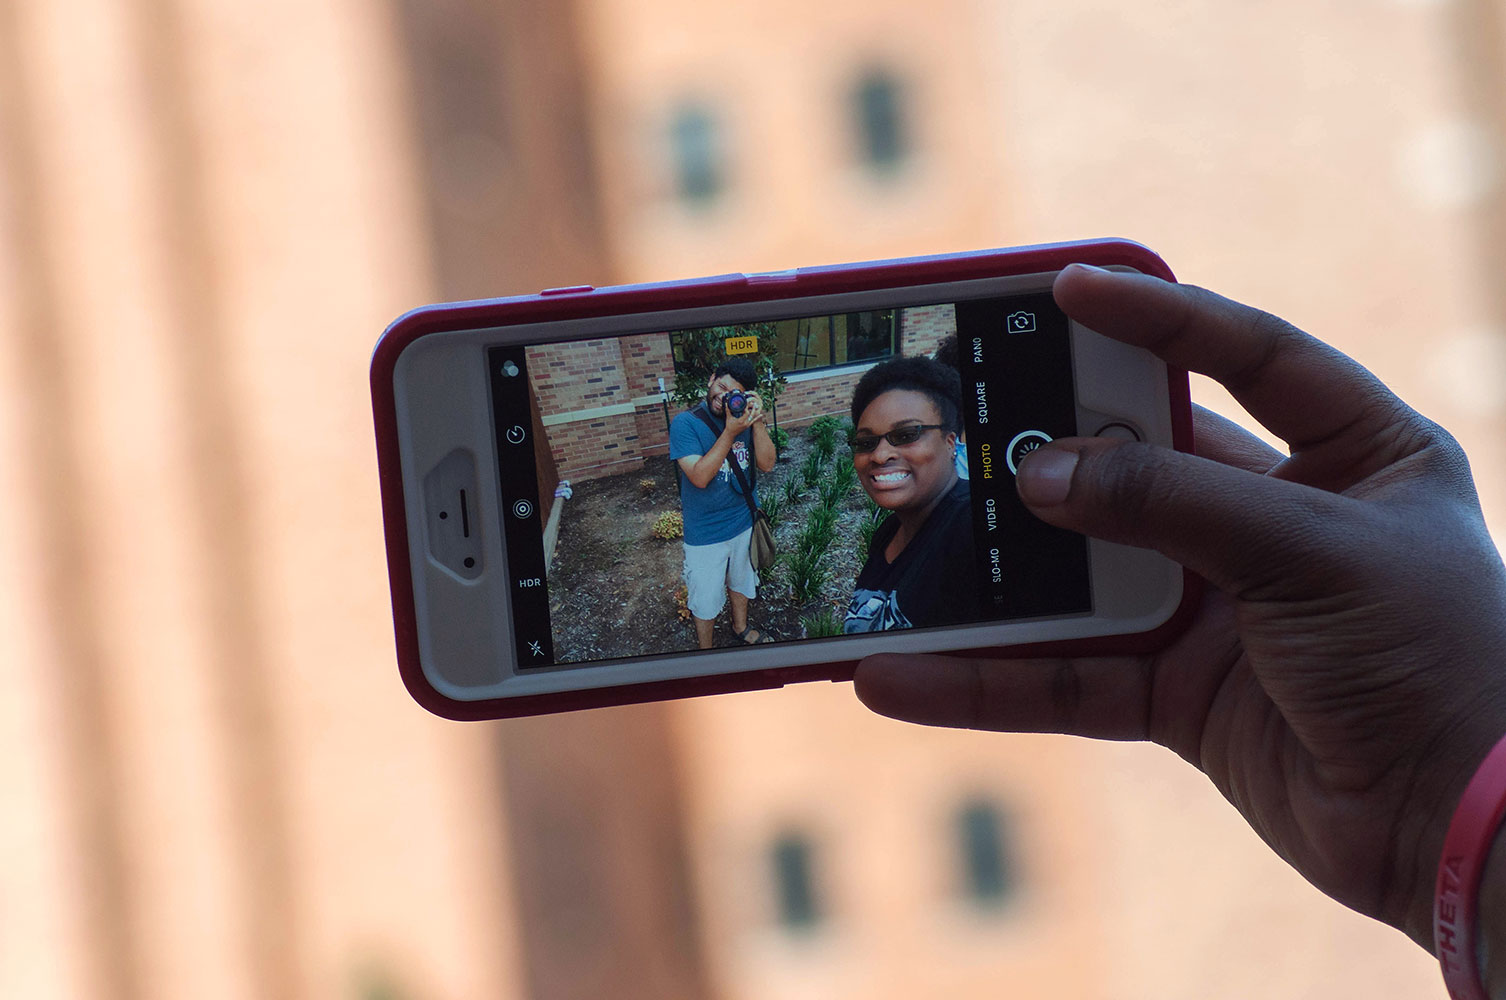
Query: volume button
x,y
773,277
569,290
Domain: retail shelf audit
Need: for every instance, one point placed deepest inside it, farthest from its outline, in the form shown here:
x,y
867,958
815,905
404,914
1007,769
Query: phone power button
x,y
1118,431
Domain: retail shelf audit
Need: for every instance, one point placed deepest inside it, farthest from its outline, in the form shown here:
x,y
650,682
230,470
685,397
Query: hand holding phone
x,y
504,597
1343,677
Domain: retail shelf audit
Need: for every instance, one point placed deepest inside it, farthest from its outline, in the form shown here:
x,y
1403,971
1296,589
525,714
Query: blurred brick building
x,y
214,786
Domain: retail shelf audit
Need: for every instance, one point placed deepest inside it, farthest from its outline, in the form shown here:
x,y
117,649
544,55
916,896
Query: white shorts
x,y
711,570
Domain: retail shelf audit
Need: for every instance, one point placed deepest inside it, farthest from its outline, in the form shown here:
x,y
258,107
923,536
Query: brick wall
x,y
921,328
574,376
647,358
588,449
584,376
577,378
653,437
803,402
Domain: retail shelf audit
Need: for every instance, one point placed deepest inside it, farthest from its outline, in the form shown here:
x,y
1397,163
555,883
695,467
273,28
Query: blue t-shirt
x,y
717,512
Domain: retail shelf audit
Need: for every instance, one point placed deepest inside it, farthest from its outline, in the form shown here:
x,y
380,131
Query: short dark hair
x,y
946,352
934,380
740,369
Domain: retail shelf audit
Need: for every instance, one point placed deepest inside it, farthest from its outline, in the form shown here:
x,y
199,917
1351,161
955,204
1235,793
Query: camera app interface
x,y
784,480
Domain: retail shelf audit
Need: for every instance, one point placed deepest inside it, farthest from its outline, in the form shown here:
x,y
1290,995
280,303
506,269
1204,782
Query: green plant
x,y
846,474
833,489
792,491
773,508
699,352
848,433
781,439
821,623
820,528
870,524
807,573
839,482
825,429
670,524
813,469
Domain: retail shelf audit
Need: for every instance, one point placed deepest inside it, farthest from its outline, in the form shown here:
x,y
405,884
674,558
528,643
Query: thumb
x,y
1237,529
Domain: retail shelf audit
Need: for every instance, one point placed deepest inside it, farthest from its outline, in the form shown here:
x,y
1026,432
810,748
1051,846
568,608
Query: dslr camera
x,y
735,402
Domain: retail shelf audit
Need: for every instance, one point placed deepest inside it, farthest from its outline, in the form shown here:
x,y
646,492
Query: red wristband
x,y
1457,897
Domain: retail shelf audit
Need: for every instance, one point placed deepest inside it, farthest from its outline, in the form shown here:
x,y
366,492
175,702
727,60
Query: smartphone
x,y
560,535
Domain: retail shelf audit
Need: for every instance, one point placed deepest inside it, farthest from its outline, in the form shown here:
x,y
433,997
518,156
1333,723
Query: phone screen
x,y
626,500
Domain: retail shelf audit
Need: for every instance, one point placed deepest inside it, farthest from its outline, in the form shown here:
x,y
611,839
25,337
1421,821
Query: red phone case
x,y
727,289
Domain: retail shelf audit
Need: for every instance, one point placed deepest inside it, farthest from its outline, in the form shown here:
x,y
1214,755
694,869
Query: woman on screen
x,y
919,572
946,353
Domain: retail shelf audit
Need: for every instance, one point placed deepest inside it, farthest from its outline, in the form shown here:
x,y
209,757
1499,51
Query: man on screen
x,y
704,442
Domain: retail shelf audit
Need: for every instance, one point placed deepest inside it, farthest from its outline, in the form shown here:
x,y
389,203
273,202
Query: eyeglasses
x,y
899,437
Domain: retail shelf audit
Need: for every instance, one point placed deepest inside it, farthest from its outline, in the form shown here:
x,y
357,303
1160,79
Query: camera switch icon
x,y
1021,321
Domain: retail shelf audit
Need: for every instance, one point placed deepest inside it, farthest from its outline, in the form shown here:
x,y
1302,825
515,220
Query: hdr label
x,y
742,345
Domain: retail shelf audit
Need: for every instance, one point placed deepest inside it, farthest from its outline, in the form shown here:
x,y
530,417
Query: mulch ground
x,y
613,585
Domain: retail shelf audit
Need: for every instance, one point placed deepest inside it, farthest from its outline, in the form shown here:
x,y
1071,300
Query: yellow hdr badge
x,y
742,345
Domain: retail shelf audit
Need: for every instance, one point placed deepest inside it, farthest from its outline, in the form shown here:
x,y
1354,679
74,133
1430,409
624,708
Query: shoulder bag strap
x,y
737,470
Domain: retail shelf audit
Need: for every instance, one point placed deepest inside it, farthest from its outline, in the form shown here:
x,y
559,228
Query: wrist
x,y
1490,926
1467,929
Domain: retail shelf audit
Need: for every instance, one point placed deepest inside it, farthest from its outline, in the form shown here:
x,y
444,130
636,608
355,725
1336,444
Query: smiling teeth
x,y
891,477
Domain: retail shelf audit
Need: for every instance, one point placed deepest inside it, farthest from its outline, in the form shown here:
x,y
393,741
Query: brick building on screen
x,y
605,404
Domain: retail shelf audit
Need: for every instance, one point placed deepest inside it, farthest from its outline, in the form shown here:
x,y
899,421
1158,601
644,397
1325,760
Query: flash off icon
x,y
1021,321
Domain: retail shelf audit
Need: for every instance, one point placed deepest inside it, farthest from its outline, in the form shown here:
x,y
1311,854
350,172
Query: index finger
x,y
1107,699
1304,391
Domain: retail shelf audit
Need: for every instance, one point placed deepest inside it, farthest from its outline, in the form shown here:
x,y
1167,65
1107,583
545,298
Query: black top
x,y
933,582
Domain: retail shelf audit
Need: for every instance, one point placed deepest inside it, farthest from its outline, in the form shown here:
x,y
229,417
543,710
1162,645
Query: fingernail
x,y
1045,476
1090,267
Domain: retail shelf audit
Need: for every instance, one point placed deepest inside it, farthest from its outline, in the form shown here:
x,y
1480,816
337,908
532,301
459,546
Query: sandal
x,y
743,635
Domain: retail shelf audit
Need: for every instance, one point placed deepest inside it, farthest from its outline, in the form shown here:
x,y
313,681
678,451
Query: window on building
x,y
695,144
827,341
794,881
989,871
879,113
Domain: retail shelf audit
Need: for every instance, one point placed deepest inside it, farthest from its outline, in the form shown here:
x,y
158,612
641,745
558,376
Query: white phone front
x,y
556,550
